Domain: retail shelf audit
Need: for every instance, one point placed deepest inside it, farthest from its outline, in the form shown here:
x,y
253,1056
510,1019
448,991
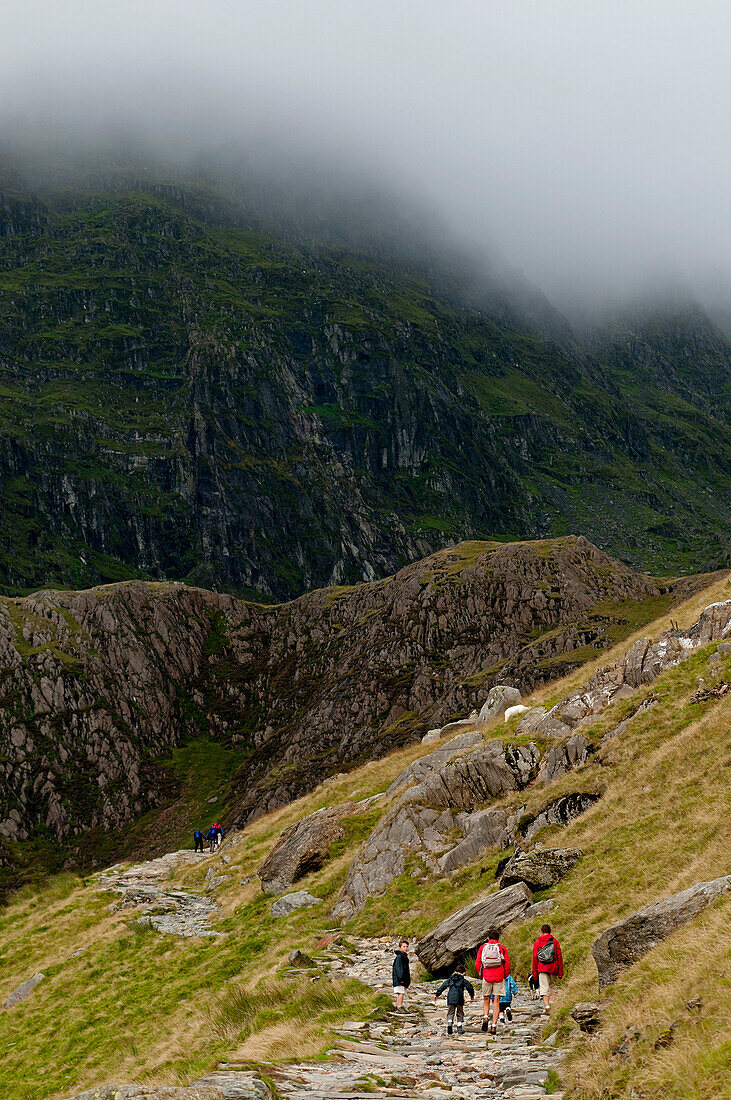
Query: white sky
x,y
589,138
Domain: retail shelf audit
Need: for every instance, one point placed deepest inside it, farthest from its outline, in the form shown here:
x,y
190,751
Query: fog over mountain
x,y
585,143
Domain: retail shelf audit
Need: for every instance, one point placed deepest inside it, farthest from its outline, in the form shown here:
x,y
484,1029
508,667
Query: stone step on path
x,y
410,1054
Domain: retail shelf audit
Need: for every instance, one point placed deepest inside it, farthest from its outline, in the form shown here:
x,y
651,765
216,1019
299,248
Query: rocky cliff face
x,y
187,395
97,687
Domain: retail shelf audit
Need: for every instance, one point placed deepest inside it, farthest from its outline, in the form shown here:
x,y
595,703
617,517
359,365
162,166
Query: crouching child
x,y
455,986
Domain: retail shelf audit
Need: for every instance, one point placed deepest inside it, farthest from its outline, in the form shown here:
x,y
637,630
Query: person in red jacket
x,y
547,965
493,966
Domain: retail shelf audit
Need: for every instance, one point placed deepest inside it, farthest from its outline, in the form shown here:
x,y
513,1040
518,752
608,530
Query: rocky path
x,y
175,911
410,1054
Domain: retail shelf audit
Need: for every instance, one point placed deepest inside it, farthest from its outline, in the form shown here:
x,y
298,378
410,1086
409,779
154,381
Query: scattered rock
x,y
622,1051
23,991
623,944
498,700
463,931
304,847
645,705
287,904
234,1085
667,1036
588,1015
301,960
541,867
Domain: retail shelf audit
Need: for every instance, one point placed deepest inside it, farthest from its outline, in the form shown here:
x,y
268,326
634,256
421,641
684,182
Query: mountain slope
x,y
122,1002
190,393
99,688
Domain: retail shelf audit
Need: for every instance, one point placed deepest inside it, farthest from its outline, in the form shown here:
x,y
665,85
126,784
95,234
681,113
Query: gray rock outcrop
x,y
287,904
424,818
23,991
559,812
304,847
498,700
541,867
483,829
588,1015
564,758
625,943
421,769
642,664
464,931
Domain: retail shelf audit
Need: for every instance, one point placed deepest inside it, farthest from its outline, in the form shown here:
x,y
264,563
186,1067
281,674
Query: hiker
x,y
401,973
510,990
455,986
198,838
217,834
493,966
547,965
211,837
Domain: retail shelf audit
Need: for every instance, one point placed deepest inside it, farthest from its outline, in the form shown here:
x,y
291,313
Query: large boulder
x,y
498,700
463,932
304,846
625,943
287,904
424,818
541,867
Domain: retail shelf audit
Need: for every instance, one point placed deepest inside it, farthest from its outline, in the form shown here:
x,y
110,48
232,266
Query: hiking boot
x,y
493,1029
449,1029
460,1029
509,1015
501,1017
485,1024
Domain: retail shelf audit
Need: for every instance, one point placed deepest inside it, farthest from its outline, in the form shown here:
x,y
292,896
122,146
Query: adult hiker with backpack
x,y
212,837
198,838
547,965
455,987
493,966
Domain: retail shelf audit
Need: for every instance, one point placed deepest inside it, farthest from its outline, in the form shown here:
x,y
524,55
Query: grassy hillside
x,y
137,1005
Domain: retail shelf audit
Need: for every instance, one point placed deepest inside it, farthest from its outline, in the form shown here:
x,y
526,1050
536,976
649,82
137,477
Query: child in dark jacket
x,y
455,986
401,973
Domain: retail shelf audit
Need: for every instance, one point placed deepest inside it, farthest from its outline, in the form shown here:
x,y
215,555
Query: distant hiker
x,y
218,834
211,837
198,838
493,966
401,973
455,986
510,990
547,965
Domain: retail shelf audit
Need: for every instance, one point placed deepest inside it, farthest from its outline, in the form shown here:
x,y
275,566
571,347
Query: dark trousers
x,y
459,1010
199,844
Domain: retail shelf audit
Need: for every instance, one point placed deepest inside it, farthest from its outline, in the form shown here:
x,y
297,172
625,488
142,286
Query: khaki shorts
x,y
399,989
498,988
546,982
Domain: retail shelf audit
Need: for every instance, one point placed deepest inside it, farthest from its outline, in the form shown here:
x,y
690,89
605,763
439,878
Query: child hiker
x,y
510,990
455,986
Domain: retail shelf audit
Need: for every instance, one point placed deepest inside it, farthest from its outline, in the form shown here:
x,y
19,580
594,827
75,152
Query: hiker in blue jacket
x,y
455,986
506,1000
198,838
212,837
